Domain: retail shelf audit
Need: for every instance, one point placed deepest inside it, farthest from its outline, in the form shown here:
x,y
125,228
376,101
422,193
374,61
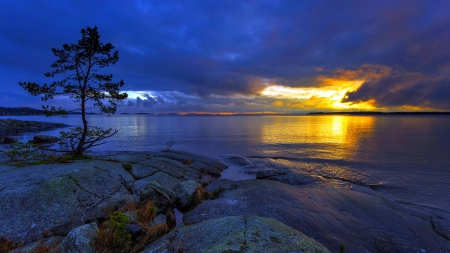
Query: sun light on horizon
x,y
327,96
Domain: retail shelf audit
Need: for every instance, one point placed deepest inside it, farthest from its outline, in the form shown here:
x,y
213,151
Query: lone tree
x,y
80,64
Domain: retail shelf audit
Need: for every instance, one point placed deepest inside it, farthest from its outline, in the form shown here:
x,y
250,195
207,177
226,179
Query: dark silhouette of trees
x,y
80,64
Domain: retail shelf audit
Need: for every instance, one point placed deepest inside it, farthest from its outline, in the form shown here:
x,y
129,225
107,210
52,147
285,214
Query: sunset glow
x,y
329,96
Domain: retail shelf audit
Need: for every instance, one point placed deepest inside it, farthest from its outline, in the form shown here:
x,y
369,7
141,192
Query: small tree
x,y
80,63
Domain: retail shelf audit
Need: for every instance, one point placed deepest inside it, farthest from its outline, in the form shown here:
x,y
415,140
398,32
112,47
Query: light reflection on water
x,y
405,157
338,135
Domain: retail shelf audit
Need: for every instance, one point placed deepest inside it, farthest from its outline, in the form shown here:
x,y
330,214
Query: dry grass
x,y
170,216
7,245
180,249
146,213
189,162
127,166
61,159
41,248
149,234
105,241
199,195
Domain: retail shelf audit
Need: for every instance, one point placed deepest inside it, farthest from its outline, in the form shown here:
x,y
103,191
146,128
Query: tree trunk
x,y
80,148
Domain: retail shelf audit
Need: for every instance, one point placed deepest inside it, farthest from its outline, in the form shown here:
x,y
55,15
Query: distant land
x,y
20,111
25,111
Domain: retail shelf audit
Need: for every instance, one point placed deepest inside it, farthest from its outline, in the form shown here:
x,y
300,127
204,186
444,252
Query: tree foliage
x,y
83,81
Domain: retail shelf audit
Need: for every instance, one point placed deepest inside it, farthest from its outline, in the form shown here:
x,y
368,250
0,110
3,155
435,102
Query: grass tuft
x,y
170,216
112,235
7,245
127,166
199,195
149,234
41,248
146,212
71,157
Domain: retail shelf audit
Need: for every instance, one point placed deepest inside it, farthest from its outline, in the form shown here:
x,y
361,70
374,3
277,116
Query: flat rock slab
x,y
182,165
361,222
53,198
190,158
236,234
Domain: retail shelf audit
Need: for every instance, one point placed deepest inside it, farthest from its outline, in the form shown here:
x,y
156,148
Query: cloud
x,y
238,48
404,89
149,101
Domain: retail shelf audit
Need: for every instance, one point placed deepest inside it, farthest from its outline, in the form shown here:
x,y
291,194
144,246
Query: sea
x,y
405,158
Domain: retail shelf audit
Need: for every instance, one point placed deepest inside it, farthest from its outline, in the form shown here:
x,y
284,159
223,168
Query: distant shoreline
x,y
255,114
27,111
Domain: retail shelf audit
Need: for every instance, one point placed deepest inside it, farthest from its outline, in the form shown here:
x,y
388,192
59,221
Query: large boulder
x,y
157,193
49,242
44,139
221,184
362,222
9,140
236,234
184,192
80,239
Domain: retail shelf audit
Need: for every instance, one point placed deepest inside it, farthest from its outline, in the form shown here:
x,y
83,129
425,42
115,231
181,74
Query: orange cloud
x,y
331,90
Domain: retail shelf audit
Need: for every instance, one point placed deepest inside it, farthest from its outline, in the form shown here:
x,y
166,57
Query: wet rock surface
x,y
236,234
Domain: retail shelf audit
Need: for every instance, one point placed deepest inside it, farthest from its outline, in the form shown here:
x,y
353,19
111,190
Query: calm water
x,y
407,157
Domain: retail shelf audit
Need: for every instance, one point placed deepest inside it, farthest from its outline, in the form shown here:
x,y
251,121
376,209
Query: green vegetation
x,y
117,223
28,153
20,111
25,151
83,82
112,235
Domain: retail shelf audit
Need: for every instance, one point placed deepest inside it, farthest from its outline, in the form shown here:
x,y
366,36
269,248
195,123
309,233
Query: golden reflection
x,y
344,132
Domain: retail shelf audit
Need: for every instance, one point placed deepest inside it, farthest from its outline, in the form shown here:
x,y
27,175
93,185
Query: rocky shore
x,y
63,205
15,127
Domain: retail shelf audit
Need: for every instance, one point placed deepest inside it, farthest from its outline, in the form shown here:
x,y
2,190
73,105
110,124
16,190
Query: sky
x,y
241,56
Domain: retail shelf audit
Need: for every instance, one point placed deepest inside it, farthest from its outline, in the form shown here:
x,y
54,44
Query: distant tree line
x,y
20,111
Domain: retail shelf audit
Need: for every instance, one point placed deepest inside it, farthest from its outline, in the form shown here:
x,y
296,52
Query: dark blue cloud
x,y
399,89
206,48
